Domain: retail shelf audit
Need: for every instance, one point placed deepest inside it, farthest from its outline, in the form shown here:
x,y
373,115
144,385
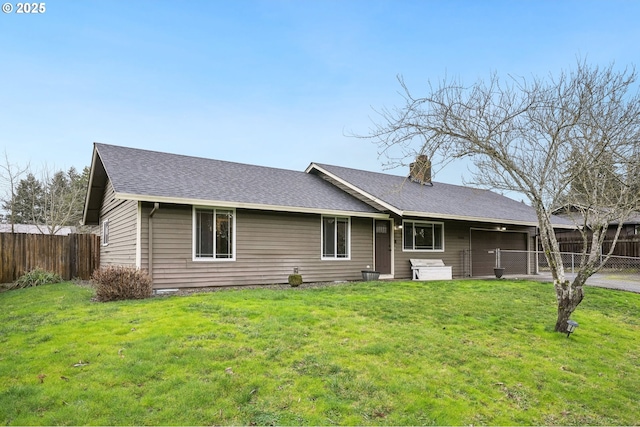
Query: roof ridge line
x,y
189,156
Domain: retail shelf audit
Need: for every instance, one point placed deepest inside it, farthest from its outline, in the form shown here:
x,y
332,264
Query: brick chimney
x,y
420,170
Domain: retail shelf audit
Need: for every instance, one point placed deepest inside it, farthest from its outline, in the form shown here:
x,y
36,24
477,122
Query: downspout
x,y
156,206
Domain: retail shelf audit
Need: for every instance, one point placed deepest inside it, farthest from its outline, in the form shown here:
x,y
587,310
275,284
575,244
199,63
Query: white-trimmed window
x,y
336,237
422,236
214,236
105,232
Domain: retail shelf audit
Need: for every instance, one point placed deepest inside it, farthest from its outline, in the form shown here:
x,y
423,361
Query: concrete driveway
x,y
621,281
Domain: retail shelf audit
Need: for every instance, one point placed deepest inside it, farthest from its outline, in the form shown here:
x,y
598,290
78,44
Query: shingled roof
x,y
153,176
171,178
404,197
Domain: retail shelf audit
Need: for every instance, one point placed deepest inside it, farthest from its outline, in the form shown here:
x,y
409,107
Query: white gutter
x,y
242,205
480,219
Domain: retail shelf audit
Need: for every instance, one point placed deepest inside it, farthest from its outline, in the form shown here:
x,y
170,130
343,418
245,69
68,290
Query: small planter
x,y
369,275
498,272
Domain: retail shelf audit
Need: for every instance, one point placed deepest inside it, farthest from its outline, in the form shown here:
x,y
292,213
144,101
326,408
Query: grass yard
x,y
386,353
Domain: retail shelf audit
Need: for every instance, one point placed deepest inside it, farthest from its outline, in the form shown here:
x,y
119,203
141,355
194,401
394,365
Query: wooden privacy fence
x,y
72,256
629,246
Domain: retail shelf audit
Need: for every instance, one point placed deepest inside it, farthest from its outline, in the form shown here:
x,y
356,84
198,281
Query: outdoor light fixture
x,y
571,326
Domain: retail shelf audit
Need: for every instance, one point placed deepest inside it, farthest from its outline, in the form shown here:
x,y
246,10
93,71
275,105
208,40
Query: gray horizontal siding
x,y
269,246
456,241
122,216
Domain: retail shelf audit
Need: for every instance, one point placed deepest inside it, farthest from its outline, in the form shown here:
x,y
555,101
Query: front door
x,y
383,246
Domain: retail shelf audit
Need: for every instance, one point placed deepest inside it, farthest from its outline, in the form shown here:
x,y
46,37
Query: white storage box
x,y
430,269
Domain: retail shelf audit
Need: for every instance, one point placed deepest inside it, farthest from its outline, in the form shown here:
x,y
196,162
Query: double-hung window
x,y
335,237
423,236
213,234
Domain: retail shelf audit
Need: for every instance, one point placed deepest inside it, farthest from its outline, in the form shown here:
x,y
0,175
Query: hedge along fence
x,y
72,256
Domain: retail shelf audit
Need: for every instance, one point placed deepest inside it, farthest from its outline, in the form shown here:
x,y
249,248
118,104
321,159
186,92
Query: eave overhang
x,y
244,205
95,190
480,219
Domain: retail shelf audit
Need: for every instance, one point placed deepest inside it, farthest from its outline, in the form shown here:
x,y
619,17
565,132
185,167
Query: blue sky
x,y
273,83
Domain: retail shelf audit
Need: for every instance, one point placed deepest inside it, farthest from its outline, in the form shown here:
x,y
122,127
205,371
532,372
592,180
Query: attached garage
x,y
483,247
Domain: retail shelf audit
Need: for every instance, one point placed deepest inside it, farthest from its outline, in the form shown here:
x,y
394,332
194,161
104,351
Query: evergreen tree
x,y
28,201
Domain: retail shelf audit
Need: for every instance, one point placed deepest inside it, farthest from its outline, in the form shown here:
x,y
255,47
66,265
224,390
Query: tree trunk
x,y
569,295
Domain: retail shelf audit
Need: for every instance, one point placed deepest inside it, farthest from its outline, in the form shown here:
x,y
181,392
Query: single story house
x,y
574,213
570,240
194,222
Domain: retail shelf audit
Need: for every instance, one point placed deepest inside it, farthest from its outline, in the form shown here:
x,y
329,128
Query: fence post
x,y
573,261
73,256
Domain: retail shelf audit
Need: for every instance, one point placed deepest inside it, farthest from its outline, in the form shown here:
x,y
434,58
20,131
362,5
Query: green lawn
x,y
387,353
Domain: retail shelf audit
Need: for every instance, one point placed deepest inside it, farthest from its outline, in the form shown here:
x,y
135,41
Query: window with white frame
x,y
105,232
423,236
213,234
336,233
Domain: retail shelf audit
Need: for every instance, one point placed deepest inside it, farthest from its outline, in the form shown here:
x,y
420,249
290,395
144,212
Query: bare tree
x,y
62,201
54,201
541,137
10,174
